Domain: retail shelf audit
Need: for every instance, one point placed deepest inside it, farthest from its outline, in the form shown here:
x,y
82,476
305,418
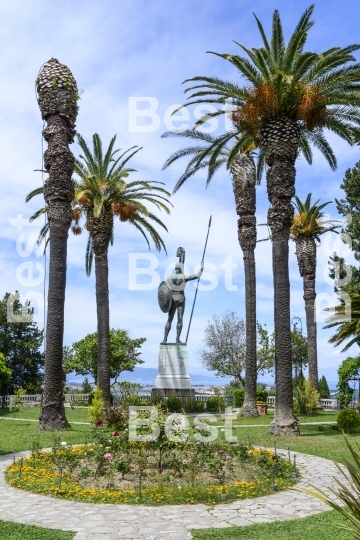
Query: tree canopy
x,y
5,372
224,348
82,356
20,344
266,348
348,369
324,388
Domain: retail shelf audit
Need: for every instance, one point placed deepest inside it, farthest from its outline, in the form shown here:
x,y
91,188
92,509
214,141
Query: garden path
x,y
110,522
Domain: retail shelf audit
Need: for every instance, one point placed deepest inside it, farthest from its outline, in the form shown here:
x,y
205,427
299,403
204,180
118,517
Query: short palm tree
x,y
290,97
101,195
347,317
57,98
307,228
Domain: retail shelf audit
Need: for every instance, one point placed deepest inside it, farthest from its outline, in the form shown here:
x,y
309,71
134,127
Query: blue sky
x,y
117,50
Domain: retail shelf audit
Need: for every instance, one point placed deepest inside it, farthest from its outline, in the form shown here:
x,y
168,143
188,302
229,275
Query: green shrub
x,y
238,397
199,406
261,395
215,404
96,410
192,405
348,419
239,394
174,404
156,398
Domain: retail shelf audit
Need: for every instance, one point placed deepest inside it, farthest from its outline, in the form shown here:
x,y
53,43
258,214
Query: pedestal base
x,y
173,378
178,392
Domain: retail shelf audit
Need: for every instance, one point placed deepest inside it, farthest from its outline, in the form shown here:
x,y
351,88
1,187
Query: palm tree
x,y
307,227
348,323
57,98
244,174
290,98
101,195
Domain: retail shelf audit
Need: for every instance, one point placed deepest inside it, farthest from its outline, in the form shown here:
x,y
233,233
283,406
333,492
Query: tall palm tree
x,y
101,195
307,227
57,99
289,98
348,323
244,174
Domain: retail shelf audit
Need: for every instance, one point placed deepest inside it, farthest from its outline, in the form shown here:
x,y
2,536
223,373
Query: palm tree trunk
x,y
306,256
244,179
103,324
57,90
279,140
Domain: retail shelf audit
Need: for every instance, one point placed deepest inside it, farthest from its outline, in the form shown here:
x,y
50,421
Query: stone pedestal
x,y
173,378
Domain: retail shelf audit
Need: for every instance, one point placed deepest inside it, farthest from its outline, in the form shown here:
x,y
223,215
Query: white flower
x,y
222,429
63,443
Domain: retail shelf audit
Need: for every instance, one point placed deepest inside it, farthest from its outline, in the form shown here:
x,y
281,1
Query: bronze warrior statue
x,y
171,295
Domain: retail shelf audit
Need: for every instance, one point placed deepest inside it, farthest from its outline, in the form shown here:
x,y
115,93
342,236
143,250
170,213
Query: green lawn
x,y
76,415
321,416
16,531
19,435
318,527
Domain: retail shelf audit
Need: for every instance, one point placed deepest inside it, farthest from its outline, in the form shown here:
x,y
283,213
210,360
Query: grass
x,y
321,416
17,531
315,527
21,434
33,413
328,443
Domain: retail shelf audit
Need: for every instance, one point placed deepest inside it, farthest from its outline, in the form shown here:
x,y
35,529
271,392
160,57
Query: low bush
x,y
215,404
348,419
238,397
174,404
192,405
261,395
239,394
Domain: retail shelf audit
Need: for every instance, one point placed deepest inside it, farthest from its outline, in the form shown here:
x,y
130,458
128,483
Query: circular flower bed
x,y
115,470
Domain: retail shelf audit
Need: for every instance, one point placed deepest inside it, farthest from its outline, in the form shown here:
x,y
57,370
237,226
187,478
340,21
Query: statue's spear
x,y
197,284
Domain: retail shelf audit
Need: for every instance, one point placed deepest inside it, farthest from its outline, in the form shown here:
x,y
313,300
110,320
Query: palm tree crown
x,y
308,221
313,91
349,326
103,194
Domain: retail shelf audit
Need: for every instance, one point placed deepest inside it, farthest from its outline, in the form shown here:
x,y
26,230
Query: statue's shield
x,y
164,297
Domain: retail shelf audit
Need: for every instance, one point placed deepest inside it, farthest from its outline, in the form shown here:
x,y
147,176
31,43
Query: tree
x,y
350,207
324,388
86,387
307,228
348,321
224,348
266,349
101,195
57,99
289,98
82,357
5,372
299,350
20,344
348,369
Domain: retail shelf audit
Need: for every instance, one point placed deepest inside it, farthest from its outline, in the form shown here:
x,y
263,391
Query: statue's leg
x,y
169,321
180,314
